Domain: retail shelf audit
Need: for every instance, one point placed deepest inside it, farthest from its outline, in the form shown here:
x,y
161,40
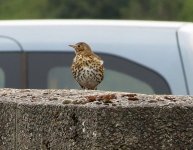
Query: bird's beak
x,y
74,46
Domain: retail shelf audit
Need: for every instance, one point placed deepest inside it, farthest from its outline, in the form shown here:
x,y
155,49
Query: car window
x,y
61,77
52,70
2,78
10,70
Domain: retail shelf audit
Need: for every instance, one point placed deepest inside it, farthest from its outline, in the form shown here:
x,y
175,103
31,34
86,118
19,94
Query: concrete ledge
x,y
7,124
97,120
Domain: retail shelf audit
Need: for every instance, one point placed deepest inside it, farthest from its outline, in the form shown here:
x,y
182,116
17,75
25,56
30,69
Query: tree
x,y
152,10
22,9
186,11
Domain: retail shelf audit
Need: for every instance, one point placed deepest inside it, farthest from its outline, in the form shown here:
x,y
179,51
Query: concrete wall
x,y
97,120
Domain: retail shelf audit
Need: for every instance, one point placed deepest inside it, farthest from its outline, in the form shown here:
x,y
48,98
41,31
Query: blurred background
x,y
175,10
42,57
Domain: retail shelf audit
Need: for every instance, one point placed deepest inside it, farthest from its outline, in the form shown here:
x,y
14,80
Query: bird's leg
x,y
82,87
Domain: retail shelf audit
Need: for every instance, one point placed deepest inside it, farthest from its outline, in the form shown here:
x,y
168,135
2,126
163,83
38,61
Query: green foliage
x,y
85,9
22,9
187,11
154,10
106,9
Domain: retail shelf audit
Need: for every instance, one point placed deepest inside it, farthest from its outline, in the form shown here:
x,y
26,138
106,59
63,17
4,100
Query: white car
x,y
139,56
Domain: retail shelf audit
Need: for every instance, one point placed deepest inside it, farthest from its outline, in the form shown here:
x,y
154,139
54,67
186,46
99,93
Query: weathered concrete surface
x,y
73,119
7,122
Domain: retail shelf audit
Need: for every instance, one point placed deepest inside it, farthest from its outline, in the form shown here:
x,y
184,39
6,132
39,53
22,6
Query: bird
x,y
87,67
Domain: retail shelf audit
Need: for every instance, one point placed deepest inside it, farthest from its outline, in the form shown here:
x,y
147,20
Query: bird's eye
x,y
78,45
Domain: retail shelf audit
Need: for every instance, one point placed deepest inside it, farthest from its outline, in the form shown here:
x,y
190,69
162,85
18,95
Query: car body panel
x,y
9,44
185,35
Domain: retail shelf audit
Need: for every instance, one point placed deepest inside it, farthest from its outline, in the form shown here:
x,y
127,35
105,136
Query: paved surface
x,y
94,120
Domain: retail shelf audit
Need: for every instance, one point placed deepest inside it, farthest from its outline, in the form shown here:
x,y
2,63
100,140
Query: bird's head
x,y
81,48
